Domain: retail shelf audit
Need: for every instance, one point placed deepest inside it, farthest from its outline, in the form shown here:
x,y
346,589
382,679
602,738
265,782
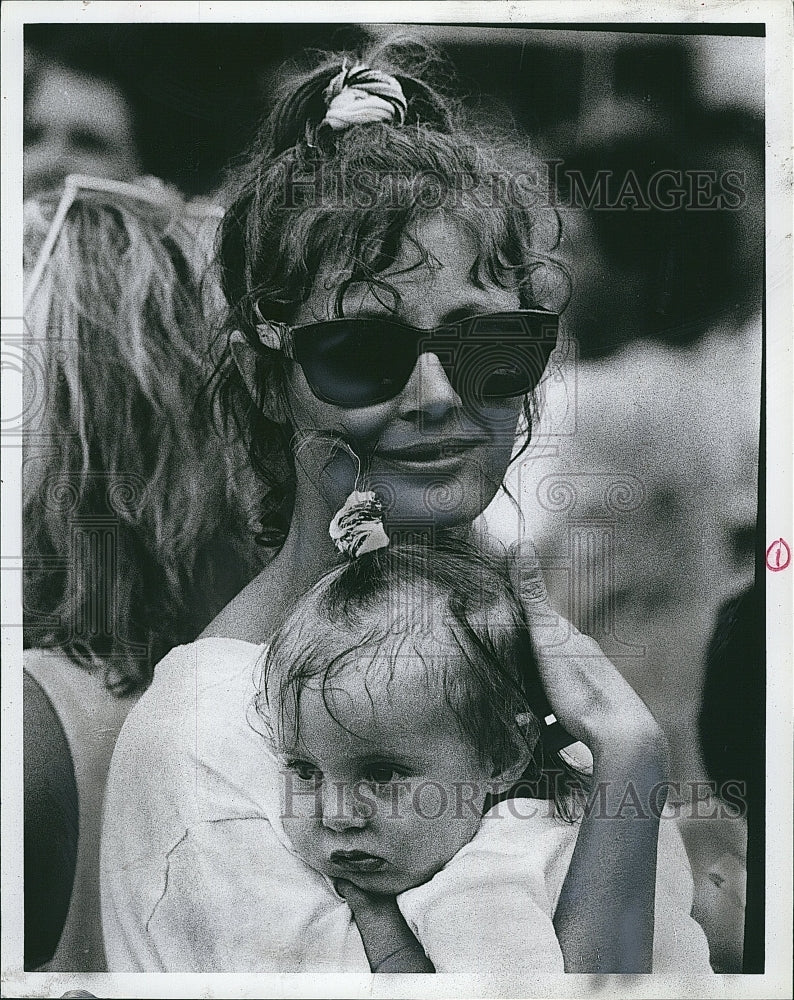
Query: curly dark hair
x,y
306,197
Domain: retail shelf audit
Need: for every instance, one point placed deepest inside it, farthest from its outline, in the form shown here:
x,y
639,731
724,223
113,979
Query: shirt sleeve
x,y
489,910
182,759
148,809
196,875
236,900
680,946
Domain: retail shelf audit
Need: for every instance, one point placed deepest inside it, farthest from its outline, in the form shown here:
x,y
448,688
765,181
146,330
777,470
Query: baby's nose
x,y
342,808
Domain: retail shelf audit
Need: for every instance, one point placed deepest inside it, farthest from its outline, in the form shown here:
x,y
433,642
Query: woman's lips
x,y
357,861
437,453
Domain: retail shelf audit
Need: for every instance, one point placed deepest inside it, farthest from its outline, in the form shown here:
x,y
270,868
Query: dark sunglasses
x,y
356,361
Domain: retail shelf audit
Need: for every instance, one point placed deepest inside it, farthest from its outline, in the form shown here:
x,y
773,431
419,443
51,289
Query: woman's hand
x,y
605,914
388,940
589,697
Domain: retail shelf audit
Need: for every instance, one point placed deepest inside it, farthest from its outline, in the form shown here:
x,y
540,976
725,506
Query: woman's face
x,y
430,459
76,124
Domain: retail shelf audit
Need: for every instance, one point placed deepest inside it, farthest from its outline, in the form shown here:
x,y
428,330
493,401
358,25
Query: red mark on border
x,y
778,555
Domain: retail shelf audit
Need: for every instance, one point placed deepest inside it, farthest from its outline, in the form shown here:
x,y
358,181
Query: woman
x,y
133,523
368,231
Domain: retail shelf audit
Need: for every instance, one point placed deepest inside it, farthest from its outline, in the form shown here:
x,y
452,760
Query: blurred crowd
x,y
641,486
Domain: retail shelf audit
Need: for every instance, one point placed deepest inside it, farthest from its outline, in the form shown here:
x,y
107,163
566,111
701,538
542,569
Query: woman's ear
x,y
263,392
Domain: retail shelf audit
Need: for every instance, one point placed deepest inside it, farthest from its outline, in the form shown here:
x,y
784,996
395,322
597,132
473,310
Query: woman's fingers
x,y
588,695
549,634
549,630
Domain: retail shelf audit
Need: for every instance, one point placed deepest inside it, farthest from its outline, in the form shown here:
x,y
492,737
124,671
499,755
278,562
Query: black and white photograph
x,y
397,508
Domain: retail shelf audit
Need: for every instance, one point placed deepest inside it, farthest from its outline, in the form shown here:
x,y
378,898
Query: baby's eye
x,y
382,774
304,770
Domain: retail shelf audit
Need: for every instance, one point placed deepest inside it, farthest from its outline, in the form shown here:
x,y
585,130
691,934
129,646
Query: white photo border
x,y
777,17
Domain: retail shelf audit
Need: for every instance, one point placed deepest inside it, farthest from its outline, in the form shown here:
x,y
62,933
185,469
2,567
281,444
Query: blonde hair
x,y
135,522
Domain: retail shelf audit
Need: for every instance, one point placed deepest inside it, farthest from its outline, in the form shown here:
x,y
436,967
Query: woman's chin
x,y
429,503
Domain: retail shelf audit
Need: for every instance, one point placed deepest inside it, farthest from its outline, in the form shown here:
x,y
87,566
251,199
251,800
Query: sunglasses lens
x,y
489,372
497,356
499,371
359,363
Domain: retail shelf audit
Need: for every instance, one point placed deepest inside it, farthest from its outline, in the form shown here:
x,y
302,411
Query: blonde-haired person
x,y
134,521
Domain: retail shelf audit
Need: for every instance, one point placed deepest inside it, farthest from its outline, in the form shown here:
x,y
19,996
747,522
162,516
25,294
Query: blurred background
x,y
180,101
641,484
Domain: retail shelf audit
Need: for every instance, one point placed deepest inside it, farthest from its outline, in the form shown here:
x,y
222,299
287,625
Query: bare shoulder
x,y
253,614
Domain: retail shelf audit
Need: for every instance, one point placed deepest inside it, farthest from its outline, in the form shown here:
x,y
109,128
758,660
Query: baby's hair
x,y
357,618
118,437
296,208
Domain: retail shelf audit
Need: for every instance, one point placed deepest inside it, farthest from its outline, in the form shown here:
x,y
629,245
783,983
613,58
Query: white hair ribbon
x,y
358,527
360,95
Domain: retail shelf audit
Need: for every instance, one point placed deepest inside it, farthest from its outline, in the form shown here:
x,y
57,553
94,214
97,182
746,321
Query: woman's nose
x,y
341,808
428,392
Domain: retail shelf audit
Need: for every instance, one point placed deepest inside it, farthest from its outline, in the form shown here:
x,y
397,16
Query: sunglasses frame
x,y
279,336
162,197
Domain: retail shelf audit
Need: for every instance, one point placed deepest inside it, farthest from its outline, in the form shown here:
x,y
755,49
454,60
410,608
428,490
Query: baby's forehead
x,y
371,662
411,631
371,704
390,657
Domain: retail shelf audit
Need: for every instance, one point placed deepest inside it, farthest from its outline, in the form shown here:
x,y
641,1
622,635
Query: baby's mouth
x,y
357,861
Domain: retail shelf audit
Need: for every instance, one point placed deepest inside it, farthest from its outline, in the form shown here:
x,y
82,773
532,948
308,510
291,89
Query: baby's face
x,y
380,787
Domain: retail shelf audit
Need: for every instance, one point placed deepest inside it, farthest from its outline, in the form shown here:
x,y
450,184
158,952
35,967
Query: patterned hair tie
x,y
358,527
360,95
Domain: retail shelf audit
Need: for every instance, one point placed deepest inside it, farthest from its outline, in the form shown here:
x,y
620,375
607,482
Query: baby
x,y
401,699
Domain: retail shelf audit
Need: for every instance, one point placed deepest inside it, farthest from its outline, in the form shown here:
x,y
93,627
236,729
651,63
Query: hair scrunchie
x,y
359,95
358,527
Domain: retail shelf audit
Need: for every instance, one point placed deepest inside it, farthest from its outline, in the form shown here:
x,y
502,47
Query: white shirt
x,y
198,876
